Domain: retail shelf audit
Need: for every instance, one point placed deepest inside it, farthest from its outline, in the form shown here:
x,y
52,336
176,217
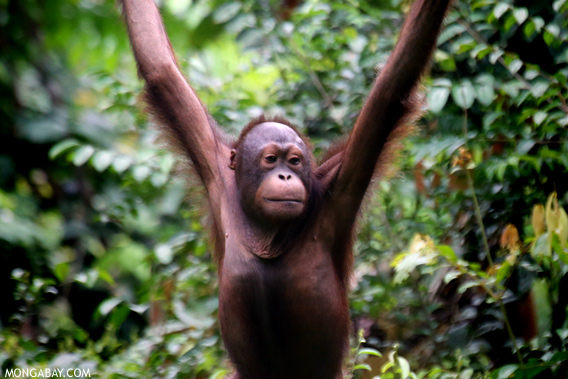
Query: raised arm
x,y
168,94
390,101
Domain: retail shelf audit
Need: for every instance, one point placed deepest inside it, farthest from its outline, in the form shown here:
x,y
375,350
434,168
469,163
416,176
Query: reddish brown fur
x,y
288,7
283,306
262,119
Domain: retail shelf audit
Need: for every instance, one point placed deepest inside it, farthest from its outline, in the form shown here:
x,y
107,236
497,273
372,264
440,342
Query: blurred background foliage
x,y
104,251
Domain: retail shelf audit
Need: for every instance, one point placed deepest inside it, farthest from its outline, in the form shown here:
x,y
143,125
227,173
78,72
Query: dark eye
x,y
294,161
270,158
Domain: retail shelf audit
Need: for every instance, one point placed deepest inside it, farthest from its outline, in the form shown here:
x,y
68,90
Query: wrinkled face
x,y
272,170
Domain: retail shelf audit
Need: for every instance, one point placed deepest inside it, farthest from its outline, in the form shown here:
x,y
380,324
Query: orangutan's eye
x,y
294,161
271,158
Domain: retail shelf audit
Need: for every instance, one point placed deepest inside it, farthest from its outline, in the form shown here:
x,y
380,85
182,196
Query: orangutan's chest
x,y
296,278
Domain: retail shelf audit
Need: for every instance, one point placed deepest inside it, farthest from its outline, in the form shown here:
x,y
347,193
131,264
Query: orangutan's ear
x,y
233,162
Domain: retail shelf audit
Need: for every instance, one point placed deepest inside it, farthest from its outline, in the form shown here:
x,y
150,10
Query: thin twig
x,y
313,76
477,209
479,39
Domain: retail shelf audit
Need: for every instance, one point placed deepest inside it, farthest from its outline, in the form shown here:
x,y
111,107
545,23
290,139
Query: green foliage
x,y
106,263
548,251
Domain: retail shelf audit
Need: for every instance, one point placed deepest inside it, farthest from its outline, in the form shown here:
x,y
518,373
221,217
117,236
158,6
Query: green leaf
x,y
539,117
177,6
450,32
524,146
464,287
102,160
521,14
437,98
445,61
121,163
494,56
557,5
442,82
139,308
404,367
553,29
386,367
515,66
82,155
158,179
509,22
512,88
164,253
500,10
221,374
480,51
451,276
42,129
502,272
560,356
141,172
61,270
539,23
531,74
538,89
362,366
529,29
62,146
104,275
434,373
448,253
369,351
548,37
506,371
463,94
199,10
485,94
226,11
119,314
464,44
108,305
530,372
562,58
500,172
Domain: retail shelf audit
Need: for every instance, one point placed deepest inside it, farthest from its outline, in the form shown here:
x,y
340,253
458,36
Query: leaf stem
x,y
526,84
479,219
